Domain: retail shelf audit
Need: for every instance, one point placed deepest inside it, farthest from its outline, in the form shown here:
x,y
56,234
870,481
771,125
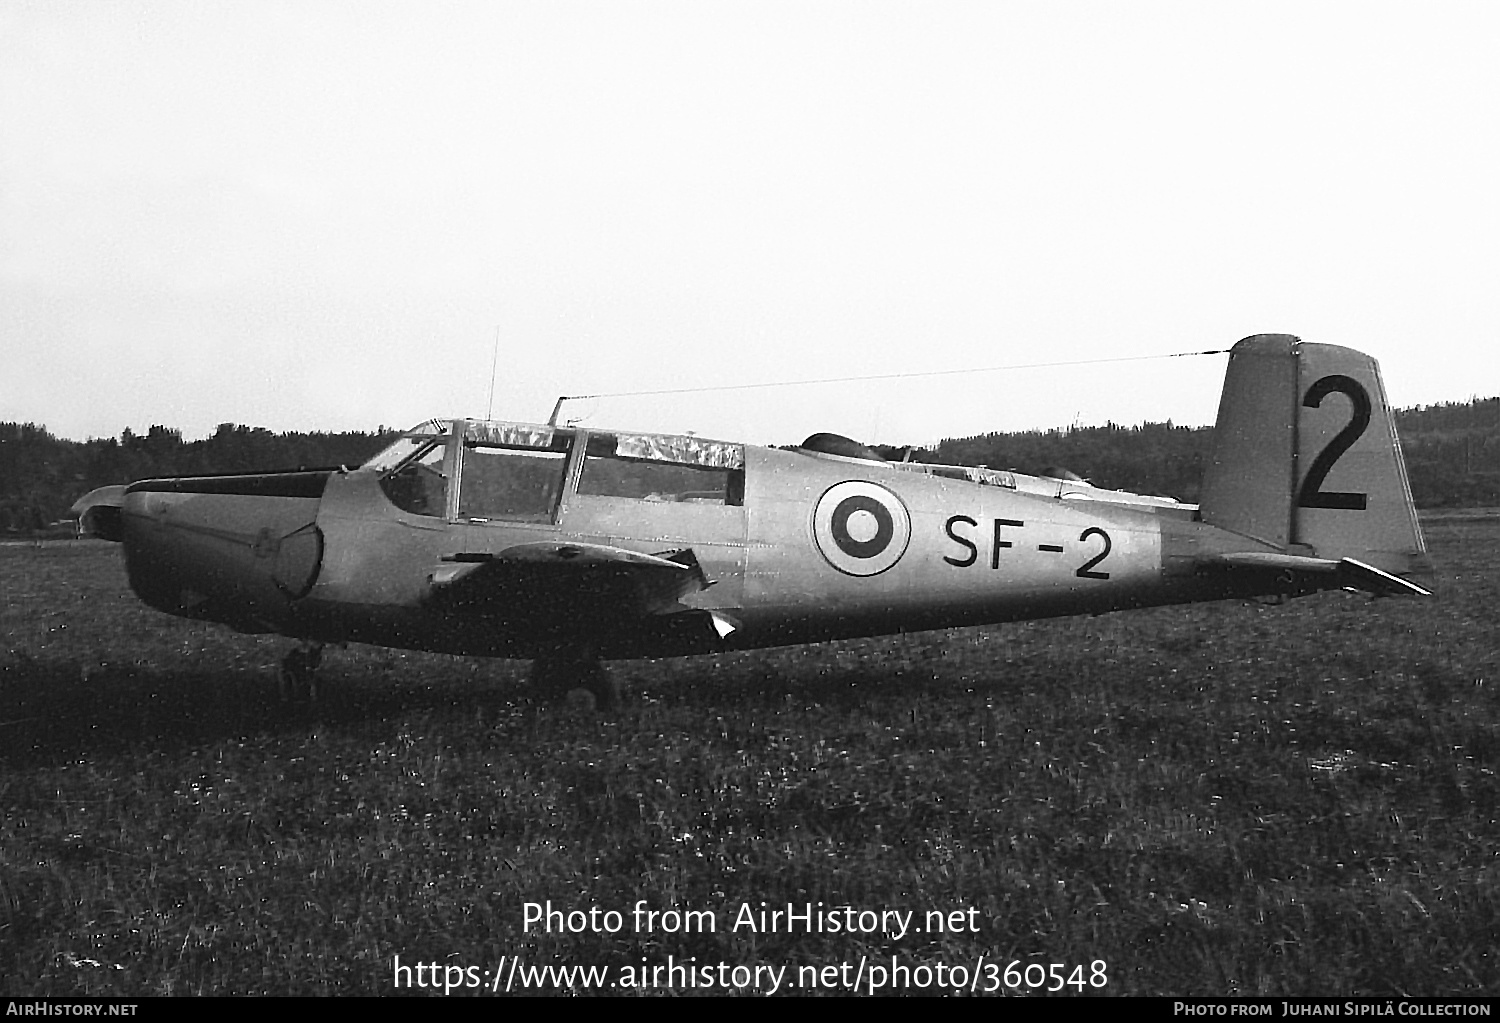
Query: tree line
x,y
1452,456
42,475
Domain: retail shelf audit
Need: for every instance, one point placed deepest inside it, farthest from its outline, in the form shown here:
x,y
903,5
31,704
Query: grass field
x,y
1221,799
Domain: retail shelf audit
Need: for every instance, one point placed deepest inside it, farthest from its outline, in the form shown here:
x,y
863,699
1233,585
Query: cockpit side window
x,y
419,485
513,481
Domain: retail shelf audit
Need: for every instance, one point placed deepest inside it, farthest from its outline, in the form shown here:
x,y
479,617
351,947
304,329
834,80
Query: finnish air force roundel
x,y
861,528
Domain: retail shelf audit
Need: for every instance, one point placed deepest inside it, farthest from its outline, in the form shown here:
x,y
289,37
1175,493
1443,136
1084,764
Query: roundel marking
x,y
861,528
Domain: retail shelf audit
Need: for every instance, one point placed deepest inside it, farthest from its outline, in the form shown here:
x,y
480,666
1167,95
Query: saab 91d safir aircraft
x,y
569,545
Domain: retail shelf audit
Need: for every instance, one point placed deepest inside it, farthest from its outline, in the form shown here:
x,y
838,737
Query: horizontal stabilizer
x,y
1302,573
1373,580
1280,562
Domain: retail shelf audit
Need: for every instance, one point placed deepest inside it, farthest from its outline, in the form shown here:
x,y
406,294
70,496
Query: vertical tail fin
x,y
1306,456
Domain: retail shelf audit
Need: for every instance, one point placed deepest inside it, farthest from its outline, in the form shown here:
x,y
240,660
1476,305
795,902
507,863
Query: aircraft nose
x,y
238,549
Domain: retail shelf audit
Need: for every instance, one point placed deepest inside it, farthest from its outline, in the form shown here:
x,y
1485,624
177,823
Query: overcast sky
x,y
321,215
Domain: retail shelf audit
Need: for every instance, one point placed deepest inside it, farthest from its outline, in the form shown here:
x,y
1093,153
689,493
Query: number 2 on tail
x,y
1312,494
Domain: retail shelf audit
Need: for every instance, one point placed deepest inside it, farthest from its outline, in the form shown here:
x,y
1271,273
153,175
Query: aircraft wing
x,y
1316,572
565,585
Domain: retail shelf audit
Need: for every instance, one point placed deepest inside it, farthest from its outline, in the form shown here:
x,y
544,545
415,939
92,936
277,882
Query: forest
x,y
1452,456
42,475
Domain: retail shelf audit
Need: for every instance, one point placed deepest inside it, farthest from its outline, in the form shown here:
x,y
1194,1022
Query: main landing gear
x,y
299,674
559,672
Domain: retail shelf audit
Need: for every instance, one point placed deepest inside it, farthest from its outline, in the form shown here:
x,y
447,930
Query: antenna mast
x,y
489,409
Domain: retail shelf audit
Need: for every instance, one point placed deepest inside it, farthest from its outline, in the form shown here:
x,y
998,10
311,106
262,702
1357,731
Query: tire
x,y
554,677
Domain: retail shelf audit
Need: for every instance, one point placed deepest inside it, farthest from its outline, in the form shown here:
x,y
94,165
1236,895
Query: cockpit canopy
x,y
518,471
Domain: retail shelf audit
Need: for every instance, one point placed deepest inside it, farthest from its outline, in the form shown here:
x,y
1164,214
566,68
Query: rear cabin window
x,y
520,480
973,474
663,468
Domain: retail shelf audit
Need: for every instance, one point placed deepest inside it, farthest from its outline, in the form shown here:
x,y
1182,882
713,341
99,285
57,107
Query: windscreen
x,y
408,444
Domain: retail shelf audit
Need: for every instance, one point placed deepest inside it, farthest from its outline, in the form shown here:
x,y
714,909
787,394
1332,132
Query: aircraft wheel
x,y
554,677
597,679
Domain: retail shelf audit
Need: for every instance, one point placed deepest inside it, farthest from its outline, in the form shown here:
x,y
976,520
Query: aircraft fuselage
x,y
568,545
803,548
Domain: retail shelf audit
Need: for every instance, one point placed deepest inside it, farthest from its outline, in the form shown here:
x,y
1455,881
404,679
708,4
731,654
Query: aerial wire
x,y
884,376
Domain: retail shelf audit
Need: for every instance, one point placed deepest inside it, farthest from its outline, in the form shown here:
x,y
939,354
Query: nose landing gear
x,y
299,674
